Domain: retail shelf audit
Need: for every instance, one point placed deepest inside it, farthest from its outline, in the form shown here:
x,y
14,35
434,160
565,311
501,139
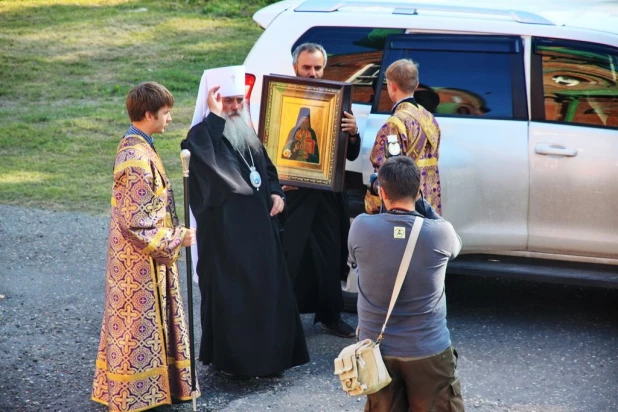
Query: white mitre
x,y
231,80
232,83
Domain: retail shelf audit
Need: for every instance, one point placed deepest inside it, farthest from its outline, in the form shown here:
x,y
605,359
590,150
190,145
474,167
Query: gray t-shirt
x,y
417,326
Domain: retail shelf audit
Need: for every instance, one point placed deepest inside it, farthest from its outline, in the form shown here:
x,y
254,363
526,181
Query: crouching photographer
x,y
416,345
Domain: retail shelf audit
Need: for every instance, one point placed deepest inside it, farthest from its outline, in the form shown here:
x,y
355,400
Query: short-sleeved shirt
x,y
417,326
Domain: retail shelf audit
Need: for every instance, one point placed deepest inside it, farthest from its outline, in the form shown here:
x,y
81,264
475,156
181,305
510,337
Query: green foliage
x,y
65,69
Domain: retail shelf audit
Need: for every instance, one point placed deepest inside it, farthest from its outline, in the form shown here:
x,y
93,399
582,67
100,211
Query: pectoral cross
x,y
233,77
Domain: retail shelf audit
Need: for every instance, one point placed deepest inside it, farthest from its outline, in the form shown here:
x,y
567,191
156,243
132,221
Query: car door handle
x,y
554,149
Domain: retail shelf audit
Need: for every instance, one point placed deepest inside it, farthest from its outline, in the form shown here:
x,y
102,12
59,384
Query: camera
x,y
370,185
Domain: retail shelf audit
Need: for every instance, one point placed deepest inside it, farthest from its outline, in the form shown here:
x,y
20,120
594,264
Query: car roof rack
x,y
400,7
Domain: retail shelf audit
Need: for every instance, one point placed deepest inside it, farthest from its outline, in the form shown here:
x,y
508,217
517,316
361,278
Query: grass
x,y
65,69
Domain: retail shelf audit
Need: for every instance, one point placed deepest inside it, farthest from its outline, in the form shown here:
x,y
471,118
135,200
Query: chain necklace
x,y
254,175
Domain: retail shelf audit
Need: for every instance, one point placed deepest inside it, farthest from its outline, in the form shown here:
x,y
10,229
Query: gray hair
x,y
239,132
309,48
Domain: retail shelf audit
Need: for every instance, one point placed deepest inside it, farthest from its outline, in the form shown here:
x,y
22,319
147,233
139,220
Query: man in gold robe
x,y
411,130
143,358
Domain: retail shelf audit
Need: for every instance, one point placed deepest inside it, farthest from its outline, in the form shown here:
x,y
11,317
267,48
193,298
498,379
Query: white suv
x,y
527,102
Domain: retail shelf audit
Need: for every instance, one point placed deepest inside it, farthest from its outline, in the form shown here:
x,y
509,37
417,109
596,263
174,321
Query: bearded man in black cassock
x,y
250,321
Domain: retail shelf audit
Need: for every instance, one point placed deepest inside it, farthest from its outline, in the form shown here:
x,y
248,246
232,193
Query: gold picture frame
x,y
300,127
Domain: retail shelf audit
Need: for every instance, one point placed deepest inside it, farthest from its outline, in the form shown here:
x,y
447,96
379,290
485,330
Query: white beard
x,y
239,132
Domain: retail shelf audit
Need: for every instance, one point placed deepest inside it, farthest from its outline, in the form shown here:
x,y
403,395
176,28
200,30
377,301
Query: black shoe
x,y
339,328
228,375
275,375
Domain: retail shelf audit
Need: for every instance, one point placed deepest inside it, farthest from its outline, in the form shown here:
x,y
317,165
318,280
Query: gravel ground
x,y
523,347
50,319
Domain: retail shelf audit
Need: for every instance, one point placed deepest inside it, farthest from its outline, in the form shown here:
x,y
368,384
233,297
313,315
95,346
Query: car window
x,y
462,75
354,55
580,82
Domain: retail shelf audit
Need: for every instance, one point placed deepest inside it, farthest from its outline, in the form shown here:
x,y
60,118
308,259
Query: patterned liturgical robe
x,y
418,134
143,357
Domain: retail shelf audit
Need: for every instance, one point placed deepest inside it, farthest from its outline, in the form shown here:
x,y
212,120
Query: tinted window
x,y
580,82
354,55
462,75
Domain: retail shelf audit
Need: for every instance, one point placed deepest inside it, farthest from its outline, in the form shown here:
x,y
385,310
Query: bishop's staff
x,y
185,157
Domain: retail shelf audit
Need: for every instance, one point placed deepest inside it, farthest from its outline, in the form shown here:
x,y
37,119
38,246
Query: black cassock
x,y
250,321
316,245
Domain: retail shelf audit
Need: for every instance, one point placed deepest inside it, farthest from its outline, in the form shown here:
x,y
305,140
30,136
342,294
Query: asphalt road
x,y
523,346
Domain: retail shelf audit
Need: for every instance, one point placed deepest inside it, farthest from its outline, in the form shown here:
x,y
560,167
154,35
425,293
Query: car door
x,y
574,149
475,86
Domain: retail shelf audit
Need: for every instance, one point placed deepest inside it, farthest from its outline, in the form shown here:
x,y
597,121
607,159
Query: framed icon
x,y
300,126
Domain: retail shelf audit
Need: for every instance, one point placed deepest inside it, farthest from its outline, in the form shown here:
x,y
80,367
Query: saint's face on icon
x,y
304,123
